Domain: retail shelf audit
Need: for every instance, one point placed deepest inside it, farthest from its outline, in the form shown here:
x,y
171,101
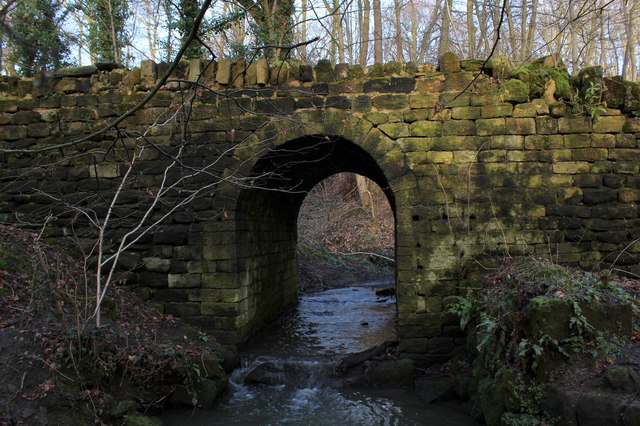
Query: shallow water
x,y
297,354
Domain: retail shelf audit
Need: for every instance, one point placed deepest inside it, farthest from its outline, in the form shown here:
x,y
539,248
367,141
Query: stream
x,y
285,377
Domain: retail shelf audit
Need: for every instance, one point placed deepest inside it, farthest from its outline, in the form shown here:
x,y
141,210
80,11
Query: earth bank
x,y
548,345
58,368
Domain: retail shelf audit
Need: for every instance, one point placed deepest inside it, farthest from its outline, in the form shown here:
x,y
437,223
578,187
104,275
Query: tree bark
x,y
377,32
398,28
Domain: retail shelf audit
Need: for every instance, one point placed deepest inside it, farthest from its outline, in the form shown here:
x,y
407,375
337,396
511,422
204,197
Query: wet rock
x,y
393,372
490,401
387,291
436,389
598,410
631,415
266,373
561,403
622,378
354,359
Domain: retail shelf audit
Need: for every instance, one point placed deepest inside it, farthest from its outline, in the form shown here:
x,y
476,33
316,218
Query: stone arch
x,y
269,176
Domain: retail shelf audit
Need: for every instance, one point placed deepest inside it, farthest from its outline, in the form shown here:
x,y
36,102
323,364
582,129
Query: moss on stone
x,y
375,70
515,91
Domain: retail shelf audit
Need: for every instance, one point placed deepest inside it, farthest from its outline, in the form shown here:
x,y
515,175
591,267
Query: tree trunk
x,y
377,32
471,30
398,11
413,53
303,36
444,27
364,33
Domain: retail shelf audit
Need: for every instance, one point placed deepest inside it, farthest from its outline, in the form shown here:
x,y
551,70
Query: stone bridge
x,y
475,163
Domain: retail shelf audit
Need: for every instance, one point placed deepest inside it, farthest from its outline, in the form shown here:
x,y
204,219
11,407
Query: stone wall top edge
x,y
392,77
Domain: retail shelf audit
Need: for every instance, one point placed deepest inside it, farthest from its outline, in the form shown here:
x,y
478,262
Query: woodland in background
x,y
345,233
39,35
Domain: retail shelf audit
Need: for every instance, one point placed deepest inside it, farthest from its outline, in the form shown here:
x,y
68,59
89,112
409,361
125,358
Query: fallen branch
x,y
355,253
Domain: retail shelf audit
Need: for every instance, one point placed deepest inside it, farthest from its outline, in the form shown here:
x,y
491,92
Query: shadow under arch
x,y
267,212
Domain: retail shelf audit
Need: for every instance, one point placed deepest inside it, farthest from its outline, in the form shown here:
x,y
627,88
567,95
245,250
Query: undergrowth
x,y
530,317
138,354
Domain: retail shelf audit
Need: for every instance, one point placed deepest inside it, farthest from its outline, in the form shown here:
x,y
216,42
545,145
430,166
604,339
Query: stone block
x,y
459,128
223,73
629,195
507,142
515,90
620,154
525,110
546,125
431,85
449,62
559,109
148,70
577,141
361,103
391,102
465,113
183,310
455,99
339,102
626,141
426,128
458,81
11,133
491,126
417,115
571,167
576,124
439,157
104,170
376,118
395,130
194,70
423,100
484,99
589,154
498,110
38,130
609,124
156,264
238,69
520,126
184,280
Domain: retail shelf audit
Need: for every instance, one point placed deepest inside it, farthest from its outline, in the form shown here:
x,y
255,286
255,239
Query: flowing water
x,y
286,373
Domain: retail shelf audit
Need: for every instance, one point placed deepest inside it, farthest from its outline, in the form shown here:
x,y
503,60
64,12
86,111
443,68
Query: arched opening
x,y
346,235
266,220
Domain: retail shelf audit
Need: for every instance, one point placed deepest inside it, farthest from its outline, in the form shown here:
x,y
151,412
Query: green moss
x,y
392,68
536,75
375,70
531,318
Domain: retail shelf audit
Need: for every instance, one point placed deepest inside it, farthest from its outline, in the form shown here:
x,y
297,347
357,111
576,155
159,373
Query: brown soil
x,y
333,225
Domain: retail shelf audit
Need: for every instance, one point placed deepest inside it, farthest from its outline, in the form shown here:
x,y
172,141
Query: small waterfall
x,y
292,374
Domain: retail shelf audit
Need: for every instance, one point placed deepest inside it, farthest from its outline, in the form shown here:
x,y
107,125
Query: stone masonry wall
x,y
476,162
